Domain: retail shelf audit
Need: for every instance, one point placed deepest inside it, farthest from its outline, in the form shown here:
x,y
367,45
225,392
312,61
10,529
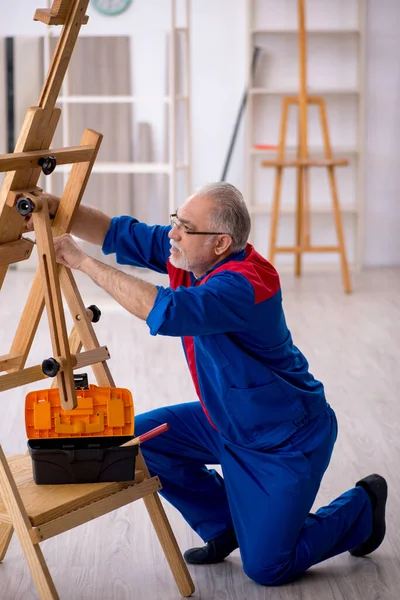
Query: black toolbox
x,y
82,460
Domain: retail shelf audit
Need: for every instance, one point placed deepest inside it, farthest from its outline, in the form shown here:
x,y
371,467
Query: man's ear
x,y
223,244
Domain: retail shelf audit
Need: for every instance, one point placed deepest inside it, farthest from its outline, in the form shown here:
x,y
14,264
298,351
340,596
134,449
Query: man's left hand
x,y
68,253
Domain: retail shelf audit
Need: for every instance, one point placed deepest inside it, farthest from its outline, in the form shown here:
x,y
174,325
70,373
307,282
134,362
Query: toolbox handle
x,y
98,457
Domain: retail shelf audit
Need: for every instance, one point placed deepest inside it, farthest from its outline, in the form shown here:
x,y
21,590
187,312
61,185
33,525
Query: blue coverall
x,y
262,416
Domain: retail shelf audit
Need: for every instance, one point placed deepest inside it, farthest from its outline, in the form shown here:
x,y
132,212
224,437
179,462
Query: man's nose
x,y
174,233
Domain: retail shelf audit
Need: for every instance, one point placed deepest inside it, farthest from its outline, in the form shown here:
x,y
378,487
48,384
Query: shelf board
x,y
266,209
128,167
311,92
116,99
308,31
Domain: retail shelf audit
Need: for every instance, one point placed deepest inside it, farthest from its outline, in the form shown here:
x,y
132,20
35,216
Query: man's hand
x,y
68,253
52,202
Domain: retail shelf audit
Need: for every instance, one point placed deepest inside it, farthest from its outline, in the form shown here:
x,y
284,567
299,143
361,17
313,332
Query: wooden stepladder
x,y
303,162
36,512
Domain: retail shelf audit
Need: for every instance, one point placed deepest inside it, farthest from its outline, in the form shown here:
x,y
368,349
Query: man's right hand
x,y
53,202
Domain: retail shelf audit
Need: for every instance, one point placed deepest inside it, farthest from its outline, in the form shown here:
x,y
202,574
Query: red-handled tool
x,y
148,435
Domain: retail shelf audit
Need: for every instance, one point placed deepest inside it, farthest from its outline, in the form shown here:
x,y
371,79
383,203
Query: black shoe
x,y
214,551
377,489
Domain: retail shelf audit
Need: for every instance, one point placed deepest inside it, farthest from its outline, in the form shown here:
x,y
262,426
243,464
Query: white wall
x,y
218,75
382,219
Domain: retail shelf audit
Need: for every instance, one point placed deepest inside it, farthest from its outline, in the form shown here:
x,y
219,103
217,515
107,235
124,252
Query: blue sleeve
x,y
222,304
138,244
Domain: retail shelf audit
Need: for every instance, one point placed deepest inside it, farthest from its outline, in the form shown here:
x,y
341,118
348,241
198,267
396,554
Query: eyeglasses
x,y
182,227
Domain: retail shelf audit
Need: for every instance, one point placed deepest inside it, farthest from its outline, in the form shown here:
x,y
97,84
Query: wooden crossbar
x,y
32,374
29,160
306,162
44,15
13,252
10,361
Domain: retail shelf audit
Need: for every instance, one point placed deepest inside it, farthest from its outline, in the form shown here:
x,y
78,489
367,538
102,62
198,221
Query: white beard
x,y
179,260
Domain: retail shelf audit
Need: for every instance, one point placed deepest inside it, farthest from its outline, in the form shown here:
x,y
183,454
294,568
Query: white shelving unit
x,y
177,100
335,70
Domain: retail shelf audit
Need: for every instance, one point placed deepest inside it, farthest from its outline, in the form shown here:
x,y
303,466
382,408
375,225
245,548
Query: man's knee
x,y
148,420
274,574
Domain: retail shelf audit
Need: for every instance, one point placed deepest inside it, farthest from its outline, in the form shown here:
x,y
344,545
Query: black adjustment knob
x,y
48,164
96,313
50,367
25,206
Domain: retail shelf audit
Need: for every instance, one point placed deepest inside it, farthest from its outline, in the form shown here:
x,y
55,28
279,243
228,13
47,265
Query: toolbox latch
x,y
81,381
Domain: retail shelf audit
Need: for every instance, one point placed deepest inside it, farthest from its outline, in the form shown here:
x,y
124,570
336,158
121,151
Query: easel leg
x,y
278,181
339,230
306,208
54,305
335,200
33,554
152,502
299,220
167,538
275,214
69,204
83,325
6,532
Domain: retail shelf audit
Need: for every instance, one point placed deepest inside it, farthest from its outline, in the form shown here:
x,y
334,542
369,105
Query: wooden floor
x,y
352,343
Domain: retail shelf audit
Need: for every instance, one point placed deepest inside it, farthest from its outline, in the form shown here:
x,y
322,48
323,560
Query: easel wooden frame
x,y
35,512
303,163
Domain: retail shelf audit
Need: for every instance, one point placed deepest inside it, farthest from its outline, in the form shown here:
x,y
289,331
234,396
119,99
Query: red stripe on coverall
x,y
191,360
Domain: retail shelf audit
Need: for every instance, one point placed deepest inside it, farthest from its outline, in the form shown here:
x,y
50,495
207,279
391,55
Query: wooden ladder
x,y
35,512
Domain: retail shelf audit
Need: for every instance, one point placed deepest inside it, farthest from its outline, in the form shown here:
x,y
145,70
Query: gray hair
x,y
230,214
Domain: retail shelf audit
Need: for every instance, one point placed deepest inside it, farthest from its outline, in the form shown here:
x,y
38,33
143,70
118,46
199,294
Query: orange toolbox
x,y
81,445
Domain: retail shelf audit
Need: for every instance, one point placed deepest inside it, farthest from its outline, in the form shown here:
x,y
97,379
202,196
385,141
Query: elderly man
x,y
262,416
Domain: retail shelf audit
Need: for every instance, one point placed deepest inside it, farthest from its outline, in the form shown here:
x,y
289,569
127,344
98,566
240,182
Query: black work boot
x,y
377,489
214,551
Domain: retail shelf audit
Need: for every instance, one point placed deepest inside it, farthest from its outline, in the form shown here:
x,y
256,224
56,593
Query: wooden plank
x,y
45,503
61,8
15,508
75,346
95,509
62,54
91,357
9,361
31,374
306,162
41,121
6,532
83,325
29,160
335,201
16,251
36,133
44,15
54,305
166,537
62,223
299,249
11,222
278,180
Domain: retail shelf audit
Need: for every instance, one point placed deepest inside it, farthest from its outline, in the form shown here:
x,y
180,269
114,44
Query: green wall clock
x,y
111,7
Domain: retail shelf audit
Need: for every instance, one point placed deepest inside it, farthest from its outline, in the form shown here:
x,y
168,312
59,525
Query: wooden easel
x,y
35,512
302,163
